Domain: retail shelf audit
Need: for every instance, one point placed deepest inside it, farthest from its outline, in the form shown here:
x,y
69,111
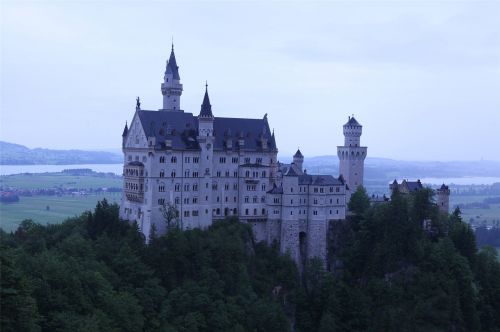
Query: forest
x,y
396,266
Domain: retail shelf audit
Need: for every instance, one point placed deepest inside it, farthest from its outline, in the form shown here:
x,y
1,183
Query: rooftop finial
x,y
172,43
137,103
206,85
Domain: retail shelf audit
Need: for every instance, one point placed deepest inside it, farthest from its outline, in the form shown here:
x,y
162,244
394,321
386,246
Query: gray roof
x,y
125,130
206,108
172,67
352,122
298,154
276,190
413,185
182,129
319,180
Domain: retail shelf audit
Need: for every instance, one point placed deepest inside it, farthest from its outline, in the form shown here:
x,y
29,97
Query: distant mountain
x,y
383,169
15,154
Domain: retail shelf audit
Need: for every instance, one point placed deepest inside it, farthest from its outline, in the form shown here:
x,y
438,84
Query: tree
x,y
170,215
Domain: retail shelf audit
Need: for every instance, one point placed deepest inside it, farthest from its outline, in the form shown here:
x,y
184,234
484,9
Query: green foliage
x,y
95,273
390,271
399,273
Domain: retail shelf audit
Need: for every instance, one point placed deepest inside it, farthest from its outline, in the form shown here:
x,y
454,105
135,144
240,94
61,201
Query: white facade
x,y
211,168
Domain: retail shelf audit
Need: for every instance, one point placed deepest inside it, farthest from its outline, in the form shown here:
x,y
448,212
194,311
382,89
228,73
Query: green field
x,y
35,208
52,180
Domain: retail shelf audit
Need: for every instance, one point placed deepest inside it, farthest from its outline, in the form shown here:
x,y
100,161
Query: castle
x,y
211,168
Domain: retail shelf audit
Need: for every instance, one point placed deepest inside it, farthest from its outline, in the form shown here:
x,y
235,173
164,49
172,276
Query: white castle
x,y
211,168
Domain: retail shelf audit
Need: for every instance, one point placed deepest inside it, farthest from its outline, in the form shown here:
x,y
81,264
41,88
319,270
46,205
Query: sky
x,y
422,77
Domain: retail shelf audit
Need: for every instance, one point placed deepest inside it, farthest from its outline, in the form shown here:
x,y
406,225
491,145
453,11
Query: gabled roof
x,y
319,180
413,185
172,67
291,172
298,154
182,129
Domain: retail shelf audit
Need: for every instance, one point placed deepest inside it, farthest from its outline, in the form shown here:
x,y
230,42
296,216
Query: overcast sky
x,y
422,77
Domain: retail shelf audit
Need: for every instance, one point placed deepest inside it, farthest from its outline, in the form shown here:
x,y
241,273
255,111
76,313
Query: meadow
x,y
49,209
59,180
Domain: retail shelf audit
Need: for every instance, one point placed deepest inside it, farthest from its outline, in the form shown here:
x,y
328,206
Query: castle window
x,y
246,212
235,211
337,211
187,160
173,160
247,174
218,174
186,213
161,201
331,189
254,199
172,174
263,199
195,174
254,212
337,189
258,161
161,188
263,211
291,213
247,199
321,190
222,160
195,200
235,174
186,187
263,187
234,160
186,173
291,190
196,160
195,213
234,199
177,200
217,211
227,198
247,160
226,186
315,212
186,200
227,174
177,187
337,201
235,186
162,173
315,189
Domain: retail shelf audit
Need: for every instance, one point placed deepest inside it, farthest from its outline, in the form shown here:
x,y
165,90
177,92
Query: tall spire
x,y
206,108
172,67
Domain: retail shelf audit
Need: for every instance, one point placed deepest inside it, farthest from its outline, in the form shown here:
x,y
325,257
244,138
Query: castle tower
x,y
443,199
171,88
298,162
206,141
352,155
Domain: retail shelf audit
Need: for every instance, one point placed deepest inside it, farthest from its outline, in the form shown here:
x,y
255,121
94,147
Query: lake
x,y
16,169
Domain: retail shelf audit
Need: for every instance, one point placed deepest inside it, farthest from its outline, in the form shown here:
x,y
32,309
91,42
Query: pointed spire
x,y
206,108
172,67
138,104
125,130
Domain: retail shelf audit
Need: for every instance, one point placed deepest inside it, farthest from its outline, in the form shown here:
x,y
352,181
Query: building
x,y
211,168
442,193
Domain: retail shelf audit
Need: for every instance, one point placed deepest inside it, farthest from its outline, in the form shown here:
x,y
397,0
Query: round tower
x,y
443,199
352,155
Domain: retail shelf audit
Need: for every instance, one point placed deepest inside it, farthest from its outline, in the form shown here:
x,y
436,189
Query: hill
x,y
15,154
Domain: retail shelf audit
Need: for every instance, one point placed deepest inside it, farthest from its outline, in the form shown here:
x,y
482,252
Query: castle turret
x,y
443,199
298,161
171,88
124,134
206,141
352,155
